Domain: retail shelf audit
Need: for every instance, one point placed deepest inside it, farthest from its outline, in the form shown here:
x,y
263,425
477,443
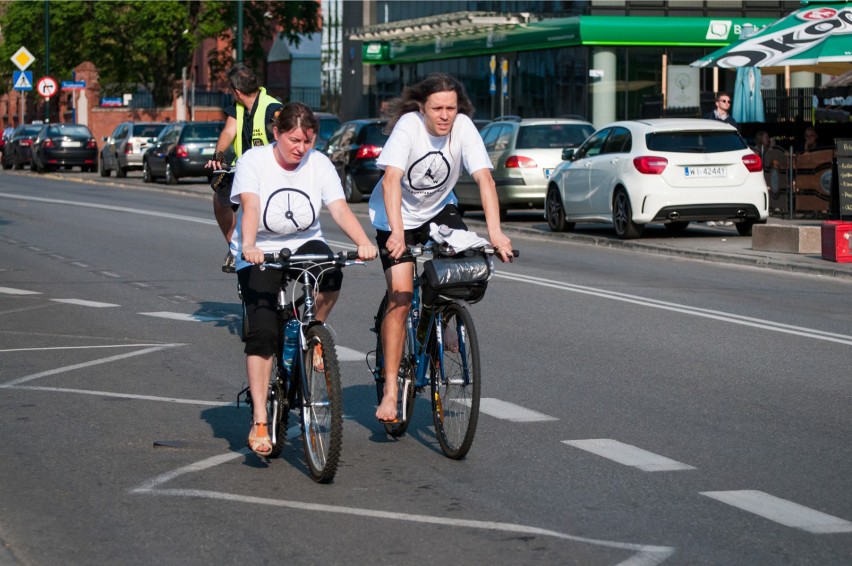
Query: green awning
x,y
562,32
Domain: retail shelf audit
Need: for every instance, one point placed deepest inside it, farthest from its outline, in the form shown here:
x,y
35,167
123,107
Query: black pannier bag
x,y
460,277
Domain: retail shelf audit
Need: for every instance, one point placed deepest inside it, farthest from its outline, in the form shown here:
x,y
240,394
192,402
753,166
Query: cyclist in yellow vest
x,y
251,115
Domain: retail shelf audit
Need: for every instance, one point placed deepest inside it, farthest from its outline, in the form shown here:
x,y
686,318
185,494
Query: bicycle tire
x,y
406,372
456,391
277,408
322,406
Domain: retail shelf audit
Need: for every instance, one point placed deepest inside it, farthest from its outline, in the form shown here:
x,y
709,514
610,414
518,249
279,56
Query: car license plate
x,y
207,150
705,171
72,144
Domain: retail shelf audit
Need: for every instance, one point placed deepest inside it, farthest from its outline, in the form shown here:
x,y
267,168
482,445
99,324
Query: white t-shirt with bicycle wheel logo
x,y
431,165
290,201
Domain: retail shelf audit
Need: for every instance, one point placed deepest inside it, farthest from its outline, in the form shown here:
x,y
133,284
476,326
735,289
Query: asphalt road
x,y
640,409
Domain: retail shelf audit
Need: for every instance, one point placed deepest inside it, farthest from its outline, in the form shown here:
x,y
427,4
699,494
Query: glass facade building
x,y
597,59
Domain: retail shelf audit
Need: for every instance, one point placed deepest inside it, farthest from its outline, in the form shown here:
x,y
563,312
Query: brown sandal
x,y
260,443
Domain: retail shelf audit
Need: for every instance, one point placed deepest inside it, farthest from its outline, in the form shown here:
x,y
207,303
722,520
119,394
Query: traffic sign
x,y
23,80
73,85
47,87
23,58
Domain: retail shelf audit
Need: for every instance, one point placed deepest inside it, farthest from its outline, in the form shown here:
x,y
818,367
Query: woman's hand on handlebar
x,y
253,254
367,252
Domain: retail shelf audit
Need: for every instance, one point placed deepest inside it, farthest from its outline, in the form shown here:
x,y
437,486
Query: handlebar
x,y
419,250
285,257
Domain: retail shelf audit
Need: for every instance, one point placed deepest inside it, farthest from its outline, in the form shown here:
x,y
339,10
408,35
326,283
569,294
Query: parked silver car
x,y
523,152
123,149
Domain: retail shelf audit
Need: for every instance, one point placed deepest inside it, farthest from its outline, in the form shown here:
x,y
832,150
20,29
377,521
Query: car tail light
x,y
128,148
180,151
650,165
368,152
48,143
753,163
516,161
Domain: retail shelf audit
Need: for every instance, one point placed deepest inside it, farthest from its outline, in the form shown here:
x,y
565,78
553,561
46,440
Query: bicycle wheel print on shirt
x,y
281,189
432,138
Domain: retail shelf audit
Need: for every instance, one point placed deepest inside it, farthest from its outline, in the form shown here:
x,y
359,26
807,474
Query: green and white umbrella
x,y
816,38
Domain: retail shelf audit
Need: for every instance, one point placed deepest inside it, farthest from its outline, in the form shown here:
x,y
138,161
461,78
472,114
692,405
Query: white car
x,y
669,170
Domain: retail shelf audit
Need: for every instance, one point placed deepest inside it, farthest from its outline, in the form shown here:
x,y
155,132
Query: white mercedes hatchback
x,y
670,170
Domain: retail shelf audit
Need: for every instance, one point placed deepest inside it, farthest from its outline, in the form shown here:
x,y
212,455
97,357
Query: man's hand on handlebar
x,y
396,245
502,247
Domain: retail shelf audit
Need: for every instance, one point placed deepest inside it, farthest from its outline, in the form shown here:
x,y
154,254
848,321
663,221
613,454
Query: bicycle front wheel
x,y
322,405
456,383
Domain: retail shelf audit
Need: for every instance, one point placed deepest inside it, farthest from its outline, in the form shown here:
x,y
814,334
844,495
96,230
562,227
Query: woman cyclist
x,y
280,188
432,136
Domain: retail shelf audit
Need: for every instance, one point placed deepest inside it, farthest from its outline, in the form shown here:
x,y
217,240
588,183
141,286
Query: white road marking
x,y
84,303
124,395
184,317
646,555
76,347
628,455
511,412
65,369
11,291
683,309
782,511
345,354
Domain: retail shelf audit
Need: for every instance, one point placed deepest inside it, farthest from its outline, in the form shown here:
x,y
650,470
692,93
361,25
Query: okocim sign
x,y
814,35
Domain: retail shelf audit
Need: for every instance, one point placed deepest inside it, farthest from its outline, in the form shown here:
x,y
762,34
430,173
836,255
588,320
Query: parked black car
x,y
18,150
182,150
123,149
64,145
353,149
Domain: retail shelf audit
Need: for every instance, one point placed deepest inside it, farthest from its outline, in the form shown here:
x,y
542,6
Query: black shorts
x,y
448,216
260,295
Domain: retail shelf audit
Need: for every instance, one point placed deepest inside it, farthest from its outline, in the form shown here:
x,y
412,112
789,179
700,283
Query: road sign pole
x,y
47,55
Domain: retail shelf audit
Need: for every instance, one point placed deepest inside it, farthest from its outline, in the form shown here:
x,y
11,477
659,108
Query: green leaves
x,y
142,43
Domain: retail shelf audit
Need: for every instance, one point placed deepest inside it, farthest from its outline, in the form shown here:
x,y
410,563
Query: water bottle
x,y
291,344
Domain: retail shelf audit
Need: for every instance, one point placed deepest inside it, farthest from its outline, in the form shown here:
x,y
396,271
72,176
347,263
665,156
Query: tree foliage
x,y
140,43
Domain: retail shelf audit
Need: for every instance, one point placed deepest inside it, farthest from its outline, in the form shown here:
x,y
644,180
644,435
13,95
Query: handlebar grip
x,y
352,254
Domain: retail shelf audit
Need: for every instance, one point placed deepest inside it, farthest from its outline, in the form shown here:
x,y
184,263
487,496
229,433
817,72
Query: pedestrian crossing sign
x,y
23,80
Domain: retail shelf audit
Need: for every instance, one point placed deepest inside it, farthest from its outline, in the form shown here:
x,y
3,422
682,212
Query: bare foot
x,y
387,410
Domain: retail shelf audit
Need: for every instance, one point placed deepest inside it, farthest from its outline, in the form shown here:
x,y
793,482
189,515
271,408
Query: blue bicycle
x,y
441,348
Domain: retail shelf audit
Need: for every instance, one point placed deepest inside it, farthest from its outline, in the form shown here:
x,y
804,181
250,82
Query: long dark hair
x,y
413,97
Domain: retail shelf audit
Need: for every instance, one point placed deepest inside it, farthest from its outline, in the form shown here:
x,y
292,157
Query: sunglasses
x,y
725,100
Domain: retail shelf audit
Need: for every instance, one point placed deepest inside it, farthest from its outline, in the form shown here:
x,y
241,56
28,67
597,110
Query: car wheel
x,y
622,217
744,228
121,171
676,227
171,179
350,189
554,212
104,172
146,173
33,166
17,165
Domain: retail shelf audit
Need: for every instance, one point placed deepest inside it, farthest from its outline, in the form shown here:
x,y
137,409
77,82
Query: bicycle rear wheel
x,y
456,386
277,408
405,379
322,405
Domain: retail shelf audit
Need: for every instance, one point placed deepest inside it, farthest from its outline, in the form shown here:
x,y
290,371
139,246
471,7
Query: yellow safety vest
x,y
258,130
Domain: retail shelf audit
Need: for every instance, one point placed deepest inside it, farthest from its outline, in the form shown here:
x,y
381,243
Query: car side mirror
x,y
106,138
568,154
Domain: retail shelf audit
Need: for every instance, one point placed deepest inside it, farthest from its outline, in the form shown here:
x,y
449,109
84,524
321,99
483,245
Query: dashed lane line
x,y
12,291
628,455
511,412
85,303
782,511
184,317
